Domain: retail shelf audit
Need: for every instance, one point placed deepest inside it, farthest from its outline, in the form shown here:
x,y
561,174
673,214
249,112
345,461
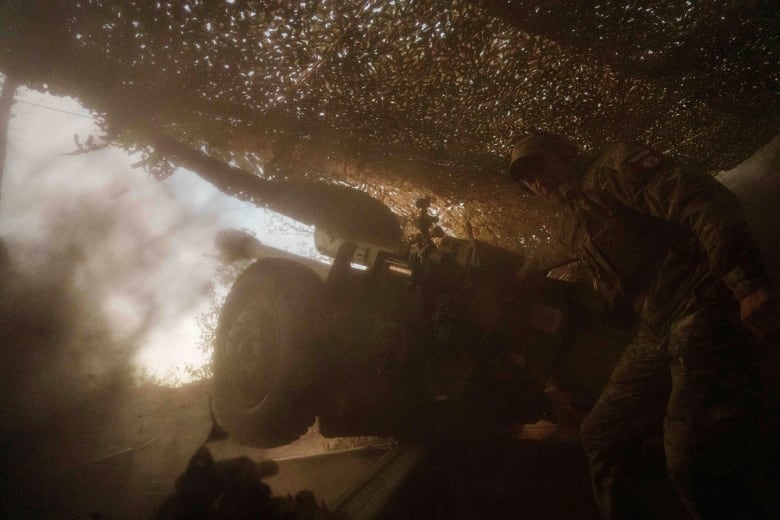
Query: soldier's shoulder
x,y
621,153
625,157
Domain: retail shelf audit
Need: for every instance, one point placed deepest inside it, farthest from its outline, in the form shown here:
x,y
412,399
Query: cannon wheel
x,y
267,353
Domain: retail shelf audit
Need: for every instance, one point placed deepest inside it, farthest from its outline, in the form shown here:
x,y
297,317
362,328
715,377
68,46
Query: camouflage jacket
x,y
646,227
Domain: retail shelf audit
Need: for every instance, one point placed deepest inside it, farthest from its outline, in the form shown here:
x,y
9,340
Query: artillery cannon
x,y
424,338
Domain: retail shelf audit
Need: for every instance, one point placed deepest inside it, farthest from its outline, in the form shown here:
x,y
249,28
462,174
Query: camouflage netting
x,y
406,97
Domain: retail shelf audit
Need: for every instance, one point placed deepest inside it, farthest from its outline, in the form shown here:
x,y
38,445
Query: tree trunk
x,y
6,102
342,211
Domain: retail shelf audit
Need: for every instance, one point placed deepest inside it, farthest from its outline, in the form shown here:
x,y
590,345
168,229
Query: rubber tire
x,y
282,305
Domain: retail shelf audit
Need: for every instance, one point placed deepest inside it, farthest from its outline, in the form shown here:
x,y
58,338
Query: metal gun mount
x,y
428,329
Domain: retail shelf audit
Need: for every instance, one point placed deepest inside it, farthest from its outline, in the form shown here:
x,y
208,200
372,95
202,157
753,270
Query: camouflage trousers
x,y
699,385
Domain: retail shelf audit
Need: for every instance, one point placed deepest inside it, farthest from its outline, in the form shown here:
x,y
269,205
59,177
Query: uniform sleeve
x,y
546,258
645,181
559,251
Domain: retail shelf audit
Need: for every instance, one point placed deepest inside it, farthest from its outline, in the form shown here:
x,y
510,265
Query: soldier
x,y
669,244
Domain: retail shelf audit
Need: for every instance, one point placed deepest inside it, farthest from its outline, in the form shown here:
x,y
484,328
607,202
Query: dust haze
x,y
96,260
99,260
100,264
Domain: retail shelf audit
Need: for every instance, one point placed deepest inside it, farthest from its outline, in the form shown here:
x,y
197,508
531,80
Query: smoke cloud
x,y
102,268
97,259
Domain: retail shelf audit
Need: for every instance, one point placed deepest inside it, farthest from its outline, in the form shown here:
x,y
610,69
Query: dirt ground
x,y
127,470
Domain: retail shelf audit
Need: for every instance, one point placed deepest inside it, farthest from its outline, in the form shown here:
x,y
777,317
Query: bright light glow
x,y
147,246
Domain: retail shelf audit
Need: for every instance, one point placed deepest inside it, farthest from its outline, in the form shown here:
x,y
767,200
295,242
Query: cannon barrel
x,y
234,244
346,213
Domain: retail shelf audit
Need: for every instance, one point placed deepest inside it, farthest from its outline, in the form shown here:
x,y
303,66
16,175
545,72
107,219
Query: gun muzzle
x,y
234,244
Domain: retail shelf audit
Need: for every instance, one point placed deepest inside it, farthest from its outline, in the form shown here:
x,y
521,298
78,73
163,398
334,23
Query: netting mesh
x,y
450,80
450,83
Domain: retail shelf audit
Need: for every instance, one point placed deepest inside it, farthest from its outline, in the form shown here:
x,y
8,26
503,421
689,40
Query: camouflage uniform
x,y
672,244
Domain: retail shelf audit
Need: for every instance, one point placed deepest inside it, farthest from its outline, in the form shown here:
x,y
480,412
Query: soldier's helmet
x,y
529,149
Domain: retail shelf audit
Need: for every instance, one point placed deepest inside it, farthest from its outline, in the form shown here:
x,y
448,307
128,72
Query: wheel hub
x,y
252,353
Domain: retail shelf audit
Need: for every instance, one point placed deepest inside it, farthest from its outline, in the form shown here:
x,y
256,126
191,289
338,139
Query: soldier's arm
x,y
645,181
759,310
544,259
559,251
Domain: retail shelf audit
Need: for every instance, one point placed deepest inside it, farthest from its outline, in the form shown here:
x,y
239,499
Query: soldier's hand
x,y
760,313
